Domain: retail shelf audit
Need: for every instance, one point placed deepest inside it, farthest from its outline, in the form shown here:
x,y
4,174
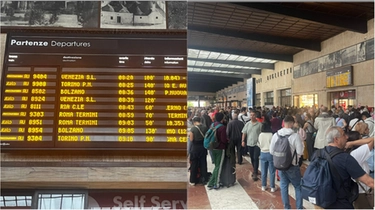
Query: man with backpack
x,y
286,148
218,152
330,185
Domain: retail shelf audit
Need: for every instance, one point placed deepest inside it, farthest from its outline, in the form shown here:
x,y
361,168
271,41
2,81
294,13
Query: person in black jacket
x,y
234,134
198,154
205,119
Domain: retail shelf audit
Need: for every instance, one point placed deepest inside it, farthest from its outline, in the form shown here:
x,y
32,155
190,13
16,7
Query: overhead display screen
x,y
94,92
340,77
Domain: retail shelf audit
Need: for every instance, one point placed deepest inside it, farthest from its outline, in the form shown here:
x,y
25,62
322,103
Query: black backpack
x,y
321,182
244,122
282,156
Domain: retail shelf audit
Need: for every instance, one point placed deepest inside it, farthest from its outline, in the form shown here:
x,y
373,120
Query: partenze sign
x,y
53,43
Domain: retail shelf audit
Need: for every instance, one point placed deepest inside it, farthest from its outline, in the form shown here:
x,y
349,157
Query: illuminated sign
x,y
125,97
340,77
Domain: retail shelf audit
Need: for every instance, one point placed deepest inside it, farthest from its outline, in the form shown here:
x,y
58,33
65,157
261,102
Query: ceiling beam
x,y
349,23
208,86
272,56
248,71
238,63
279,40
224,76
201,88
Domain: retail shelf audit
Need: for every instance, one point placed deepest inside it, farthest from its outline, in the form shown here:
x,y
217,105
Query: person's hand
x,y
243,144
348,145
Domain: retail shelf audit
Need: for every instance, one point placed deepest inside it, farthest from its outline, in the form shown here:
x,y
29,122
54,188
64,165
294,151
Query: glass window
x,y
257,100
15,201
268,99
61,201
285,97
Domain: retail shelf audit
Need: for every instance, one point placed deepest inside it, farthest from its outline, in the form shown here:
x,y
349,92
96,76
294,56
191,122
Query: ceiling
x,y
228,42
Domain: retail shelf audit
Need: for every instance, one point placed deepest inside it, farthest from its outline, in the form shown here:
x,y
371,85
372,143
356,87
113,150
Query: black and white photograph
x,y
329,61
296,71
361,51
338,59
321,63
313,66
133,14
370,49
304,69
177,14
70,14
349,55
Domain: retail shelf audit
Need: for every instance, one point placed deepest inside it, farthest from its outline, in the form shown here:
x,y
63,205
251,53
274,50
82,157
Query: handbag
x,y
314,131
354,192
367,196
199,131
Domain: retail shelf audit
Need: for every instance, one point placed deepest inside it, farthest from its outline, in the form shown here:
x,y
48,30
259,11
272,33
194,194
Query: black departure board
x,y
94,92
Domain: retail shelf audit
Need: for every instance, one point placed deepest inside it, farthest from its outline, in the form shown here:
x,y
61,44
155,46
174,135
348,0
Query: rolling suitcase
x,y
228,173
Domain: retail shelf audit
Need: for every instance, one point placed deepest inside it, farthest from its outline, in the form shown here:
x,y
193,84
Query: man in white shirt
x,y
361,155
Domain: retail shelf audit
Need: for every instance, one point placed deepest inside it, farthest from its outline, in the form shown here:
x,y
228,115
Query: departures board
x,y
73,91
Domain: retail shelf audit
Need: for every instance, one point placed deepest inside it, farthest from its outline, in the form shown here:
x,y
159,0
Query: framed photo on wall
x,y
66,14
133,14
177,14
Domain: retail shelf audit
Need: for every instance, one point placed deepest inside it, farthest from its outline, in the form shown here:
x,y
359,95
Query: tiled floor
x,y
245,194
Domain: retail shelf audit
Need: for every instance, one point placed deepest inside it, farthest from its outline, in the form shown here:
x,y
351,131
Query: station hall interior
x,y
236,54
290,50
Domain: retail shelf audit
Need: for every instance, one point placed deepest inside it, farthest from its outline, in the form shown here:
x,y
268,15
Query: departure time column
x,y
126,108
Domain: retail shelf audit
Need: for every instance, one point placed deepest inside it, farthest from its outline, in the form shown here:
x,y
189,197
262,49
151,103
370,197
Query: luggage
x,y
199,179
228,173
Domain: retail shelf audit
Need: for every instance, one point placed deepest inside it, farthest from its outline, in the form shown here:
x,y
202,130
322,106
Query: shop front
x,y
307,100
234,104
343,98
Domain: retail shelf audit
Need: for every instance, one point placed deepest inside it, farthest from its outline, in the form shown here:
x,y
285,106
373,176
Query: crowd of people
x,y
257,133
